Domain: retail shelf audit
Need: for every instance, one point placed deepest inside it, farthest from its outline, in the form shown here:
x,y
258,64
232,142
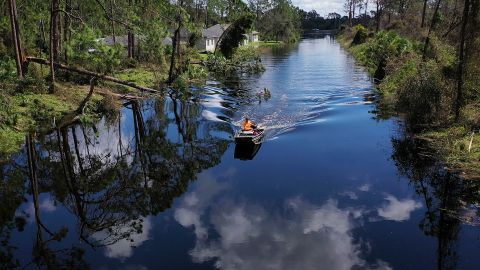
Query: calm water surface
x,y
162,186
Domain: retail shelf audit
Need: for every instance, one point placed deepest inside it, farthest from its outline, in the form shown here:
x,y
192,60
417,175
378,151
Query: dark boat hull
x,y
255,137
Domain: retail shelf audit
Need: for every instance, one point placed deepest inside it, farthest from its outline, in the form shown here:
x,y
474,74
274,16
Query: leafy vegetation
x,y
429,77
245,60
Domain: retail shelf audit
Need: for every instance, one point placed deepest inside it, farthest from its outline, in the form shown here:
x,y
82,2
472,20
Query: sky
x,y
323,7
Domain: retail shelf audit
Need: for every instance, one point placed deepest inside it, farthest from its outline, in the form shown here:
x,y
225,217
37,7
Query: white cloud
x,y
46,205
364,188
194,203
398,210
250,237
323,7
350,194
123,248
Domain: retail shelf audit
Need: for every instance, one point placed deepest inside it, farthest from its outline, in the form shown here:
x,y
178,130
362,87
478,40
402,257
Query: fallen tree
x,y
91,73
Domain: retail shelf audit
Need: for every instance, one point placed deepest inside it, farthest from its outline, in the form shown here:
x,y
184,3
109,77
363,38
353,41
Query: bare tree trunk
x,y
42,29
378,15
366,8
350,12
66,27
129,44
206,14
176,48
175,41
19,59
432,26
112,22
53,41
130,38
461,60
423,13
353,9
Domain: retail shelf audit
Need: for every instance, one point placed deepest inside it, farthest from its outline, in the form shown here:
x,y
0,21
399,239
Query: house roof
x,y
122,40
167,41
215,31
184,33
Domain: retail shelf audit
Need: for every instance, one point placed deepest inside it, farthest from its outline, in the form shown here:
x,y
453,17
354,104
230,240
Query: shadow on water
x,y
450,201
246,151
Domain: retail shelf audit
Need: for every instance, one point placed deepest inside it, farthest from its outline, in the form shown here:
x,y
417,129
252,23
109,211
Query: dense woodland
x,y
64,31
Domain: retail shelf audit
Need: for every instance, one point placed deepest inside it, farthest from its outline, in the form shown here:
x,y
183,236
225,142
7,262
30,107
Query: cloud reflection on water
x,y
238,234
398,210
123,248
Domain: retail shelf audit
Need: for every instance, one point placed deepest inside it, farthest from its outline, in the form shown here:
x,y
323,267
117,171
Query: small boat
x,y
251,136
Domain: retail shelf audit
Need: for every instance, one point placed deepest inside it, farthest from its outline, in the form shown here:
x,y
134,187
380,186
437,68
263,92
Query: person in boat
x,y
248,125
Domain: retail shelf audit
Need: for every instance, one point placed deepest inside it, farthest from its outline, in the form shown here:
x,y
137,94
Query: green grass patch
x,y
270,43
453,143
11,140
203,56
139,75
32,111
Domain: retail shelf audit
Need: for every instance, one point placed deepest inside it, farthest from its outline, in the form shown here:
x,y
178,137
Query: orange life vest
x,y
247,125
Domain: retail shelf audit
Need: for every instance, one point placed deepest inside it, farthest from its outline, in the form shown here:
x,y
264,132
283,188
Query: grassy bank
x,y
271,43
23,112
422,92
27,105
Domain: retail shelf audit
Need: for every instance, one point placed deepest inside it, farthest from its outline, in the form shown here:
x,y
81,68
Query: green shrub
x,y
91,53
8,70
245,60
424,97
398,74
361,35
7,116
381,49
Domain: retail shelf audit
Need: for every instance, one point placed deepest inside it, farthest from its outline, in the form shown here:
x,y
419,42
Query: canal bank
x,y
423,93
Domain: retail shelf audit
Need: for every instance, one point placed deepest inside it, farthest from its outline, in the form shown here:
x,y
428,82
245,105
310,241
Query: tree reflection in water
x,y
110,177
446,197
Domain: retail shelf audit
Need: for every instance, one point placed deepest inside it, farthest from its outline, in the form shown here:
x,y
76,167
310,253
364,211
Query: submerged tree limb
x,y
91,73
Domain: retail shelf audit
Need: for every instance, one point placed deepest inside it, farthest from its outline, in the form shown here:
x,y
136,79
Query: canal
x,y
162,185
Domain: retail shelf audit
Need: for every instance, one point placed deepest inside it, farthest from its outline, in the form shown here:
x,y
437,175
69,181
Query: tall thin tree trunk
x,y
130,38
461,60
112,23
16,38
423,13
53,41
432,26
175,41
66,27
350,12
129,44
353,9
206,14
366,8
378,15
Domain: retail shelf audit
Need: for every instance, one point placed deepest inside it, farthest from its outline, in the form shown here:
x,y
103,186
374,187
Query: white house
x,y
210,37
253,36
